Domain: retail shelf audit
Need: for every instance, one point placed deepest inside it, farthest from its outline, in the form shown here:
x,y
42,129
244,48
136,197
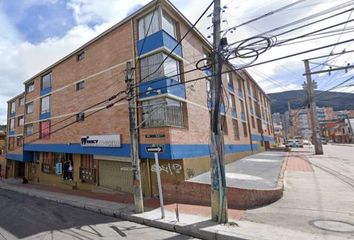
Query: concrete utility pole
x,y
309,85
137,189
290,121
218,179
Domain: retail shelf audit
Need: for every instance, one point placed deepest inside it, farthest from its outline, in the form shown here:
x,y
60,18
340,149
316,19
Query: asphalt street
x,y
318,202
25,217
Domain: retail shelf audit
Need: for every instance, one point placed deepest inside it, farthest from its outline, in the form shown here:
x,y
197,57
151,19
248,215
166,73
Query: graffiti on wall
x,y
169,168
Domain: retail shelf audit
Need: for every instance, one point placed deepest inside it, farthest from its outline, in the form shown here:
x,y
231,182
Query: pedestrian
x,y
65,169
70,171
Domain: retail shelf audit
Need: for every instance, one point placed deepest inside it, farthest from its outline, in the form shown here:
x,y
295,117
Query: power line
x,y
305,19
263,16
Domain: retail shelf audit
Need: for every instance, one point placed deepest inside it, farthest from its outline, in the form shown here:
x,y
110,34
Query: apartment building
x,y
61,120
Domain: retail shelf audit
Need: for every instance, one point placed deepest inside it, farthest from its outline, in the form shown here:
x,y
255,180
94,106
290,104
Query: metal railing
x,y
165,115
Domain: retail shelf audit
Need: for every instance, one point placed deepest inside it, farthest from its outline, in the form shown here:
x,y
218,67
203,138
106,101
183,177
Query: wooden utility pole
x,y
309,85
137,189
218,179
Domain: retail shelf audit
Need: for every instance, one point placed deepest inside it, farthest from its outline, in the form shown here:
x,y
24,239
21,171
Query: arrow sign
x,y
155,149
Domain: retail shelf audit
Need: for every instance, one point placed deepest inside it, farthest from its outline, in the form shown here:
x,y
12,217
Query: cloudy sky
x,y
36,33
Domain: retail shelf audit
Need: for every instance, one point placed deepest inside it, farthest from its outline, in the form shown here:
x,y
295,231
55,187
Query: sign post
x,y
156,149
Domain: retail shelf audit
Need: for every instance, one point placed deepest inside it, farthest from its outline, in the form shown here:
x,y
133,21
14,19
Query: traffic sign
x,y
155,149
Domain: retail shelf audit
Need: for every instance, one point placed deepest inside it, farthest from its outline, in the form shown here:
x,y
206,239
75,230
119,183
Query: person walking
x,y
65,169
70,171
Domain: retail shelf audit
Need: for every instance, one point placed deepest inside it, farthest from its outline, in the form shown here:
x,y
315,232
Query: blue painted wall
x,y
158,40
163,85
175,151
45,91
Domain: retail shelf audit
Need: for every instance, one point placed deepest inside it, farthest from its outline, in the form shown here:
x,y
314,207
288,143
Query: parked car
x,y
306,142
299,143
324,140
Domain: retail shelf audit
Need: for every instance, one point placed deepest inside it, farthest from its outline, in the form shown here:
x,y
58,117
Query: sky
x,y
36,33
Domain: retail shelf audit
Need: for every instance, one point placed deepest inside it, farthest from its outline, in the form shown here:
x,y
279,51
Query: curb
x,y
189,230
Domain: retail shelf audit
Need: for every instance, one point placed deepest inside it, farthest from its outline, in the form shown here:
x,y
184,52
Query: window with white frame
x,y
149,24
21,121
30,87
45,104
149,67
47,81
163,112
155,21
13,107
29,129
29,107
21,101
12,124
168,24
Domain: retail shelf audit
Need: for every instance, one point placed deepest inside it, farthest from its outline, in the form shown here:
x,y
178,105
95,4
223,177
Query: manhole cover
x,y
333,225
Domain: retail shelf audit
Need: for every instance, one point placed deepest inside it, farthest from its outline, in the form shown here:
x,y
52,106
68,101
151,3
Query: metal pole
x,y
313,111
218,179
159,184
137,189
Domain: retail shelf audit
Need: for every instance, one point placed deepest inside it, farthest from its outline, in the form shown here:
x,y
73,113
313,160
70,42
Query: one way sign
x,y
155,149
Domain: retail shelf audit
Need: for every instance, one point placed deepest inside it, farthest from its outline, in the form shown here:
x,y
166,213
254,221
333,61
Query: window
x,y
12,124
229,80
223,124
151,24
29,129
80,56
80,117
13,107
21,101
19,141
47,162
29,108
47,81
163,112
30,87
236,129
145,28
253,123
244,126
168,25
45,104
242,106
44,131
80,85
21,121
232,102
169,69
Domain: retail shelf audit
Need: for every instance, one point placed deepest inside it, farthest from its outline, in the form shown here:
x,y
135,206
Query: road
x,y
25,217
319,201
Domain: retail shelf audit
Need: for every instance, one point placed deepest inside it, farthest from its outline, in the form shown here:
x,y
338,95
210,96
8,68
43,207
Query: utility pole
x,y
290,122
309,85
218,179
137,189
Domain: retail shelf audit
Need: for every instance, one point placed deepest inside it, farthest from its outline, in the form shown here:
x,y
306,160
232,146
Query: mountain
x,y
337,100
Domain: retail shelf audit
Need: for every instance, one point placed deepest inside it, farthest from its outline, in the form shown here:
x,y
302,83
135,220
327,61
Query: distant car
x,y
324,140
306,142
292,144
299,144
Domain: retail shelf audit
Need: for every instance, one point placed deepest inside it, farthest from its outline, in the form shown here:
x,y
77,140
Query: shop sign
x,y
101,141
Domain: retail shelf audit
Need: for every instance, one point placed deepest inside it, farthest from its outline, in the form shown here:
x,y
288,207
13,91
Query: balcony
x,y
158,40
45,91
161,86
